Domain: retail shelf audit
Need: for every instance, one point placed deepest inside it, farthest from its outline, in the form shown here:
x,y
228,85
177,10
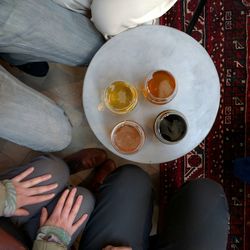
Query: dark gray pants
x,y
60,174
196,219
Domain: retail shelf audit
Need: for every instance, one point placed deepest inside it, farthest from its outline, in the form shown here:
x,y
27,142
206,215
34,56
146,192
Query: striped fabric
x,y
54,234
10,202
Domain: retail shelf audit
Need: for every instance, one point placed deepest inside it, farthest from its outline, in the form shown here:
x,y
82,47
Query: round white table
x,y
130,56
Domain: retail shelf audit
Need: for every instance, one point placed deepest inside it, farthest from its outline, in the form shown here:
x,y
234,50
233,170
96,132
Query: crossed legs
x,y
196,218
60,175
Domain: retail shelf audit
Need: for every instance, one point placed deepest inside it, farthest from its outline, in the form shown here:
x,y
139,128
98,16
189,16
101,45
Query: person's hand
x,y
27,193
65,213
116,248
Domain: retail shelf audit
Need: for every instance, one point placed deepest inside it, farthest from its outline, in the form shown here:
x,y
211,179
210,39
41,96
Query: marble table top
x,y
130,56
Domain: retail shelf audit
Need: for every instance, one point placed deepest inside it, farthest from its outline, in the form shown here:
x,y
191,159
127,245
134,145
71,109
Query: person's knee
x,y
134,177
85,58
88,203
207,190
207,186
83,53
52,165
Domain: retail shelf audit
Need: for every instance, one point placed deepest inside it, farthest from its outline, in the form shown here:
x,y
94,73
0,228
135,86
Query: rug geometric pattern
x,y
223,29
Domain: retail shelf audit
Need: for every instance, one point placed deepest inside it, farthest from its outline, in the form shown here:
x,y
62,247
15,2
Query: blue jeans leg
x,y
29,118
35,30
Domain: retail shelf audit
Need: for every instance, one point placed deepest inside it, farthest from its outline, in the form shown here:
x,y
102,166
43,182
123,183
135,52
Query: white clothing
x,y
114,16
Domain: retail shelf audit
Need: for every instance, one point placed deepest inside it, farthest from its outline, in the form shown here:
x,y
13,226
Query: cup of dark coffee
x,y
170,126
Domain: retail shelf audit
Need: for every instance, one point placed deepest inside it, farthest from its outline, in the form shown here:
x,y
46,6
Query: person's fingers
x,y
21,212
23,174
37,199
79,222
75,208
59,206
69,202
41,189
44,216
34,181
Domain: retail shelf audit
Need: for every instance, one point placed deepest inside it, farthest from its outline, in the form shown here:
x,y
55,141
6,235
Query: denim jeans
x,y
35,30
29,118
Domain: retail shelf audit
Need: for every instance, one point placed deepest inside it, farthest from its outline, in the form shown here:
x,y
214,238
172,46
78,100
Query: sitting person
x,y
36,195
42,31
112,17
196,217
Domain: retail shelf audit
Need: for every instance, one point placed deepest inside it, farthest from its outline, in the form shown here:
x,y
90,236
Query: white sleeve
x,y
114,16
80,6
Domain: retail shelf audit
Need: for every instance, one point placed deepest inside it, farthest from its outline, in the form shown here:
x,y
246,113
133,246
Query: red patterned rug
x,y
224,30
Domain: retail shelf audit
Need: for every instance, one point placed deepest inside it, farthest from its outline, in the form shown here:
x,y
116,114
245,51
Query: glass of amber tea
x,y
127,137
170,126
120,97
160,87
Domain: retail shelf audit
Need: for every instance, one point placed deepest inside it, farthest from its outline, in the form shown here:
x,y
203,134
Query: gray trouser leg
x,y
29,118
43,165
87,207
122,216
60,174
197,218
35,30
